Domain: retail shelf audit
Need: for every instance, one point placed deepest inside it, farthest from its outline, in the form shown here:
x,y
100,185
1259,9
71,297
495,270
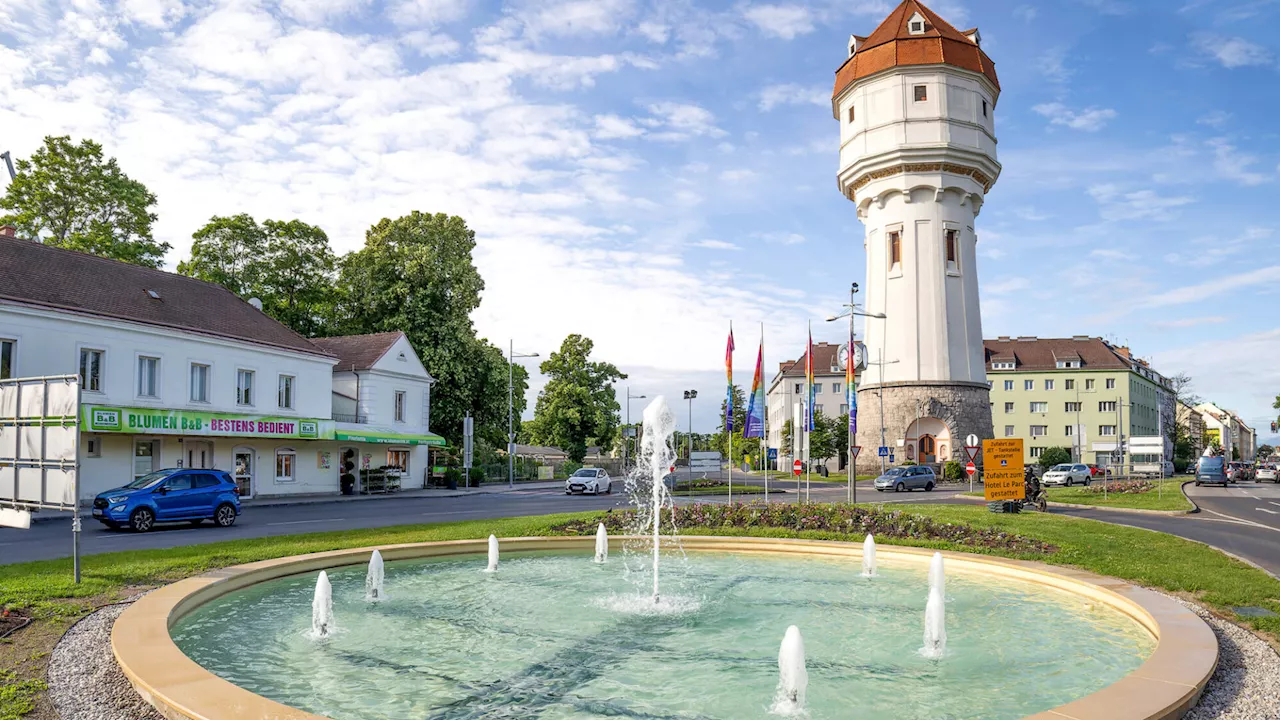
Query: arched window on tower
x,y
953,248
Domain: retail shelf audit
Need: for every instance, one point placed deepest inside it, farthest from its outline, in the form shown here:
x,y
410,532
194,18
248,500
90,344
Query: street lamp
x,y
851,310
625,442
511,404
690,395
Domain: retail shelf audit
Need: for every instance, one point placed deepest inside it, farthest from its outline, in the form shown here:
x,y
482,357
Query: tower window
x,y
850,113
917,27
895,248
953,252
921,93
984,108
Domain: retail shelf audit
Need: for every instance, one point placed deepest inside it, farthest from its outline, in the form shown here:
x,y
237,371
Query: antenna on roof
x,y
8,161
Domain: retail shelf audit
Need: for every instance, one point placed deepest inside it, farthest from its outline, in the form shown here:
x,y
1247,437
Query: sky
x,y
643,172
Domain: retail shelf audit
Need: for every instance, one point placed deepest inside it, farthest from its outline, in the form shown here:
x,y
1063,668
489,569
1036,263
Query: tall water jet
x,y
793,678
869,556
937,576
602,544
935,630
659,423
373,591
493,554
322,625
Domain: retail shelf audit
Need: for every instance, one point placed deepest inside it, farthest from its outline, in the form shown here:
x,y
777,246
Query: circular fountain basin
x,y
553,635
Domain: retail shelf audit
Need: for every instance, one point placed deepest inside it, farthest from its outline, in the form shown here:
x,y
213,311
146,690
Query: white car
x,y
1067,474
588,480
1266,472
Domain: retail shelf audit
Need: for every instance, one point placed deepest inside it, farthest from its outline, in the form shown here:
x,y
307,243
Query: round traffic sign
x,y
796,466
972,440
971,468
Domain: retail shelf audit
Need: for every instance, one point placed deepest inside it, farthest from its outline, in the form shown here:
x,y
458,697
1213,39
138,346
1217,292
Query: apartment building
x,y
787,392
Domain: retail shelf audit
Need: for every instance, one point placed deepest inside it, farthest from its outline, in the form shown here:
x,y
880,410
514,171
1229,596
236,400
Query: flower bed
x,y
841,518
1130,487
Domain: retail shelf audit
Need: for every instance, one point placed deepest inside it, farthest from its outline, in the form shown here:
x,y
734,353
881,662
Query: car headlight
x,y
117,499
118,508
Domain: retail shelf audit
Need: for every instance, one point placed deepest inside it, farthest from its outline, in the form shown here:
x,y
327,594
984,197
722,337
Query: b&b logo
x,y
106,419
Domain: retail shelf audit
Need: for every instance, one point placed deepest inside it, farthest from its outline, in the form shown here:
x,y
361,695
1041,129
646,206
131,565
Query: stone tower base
x,y
963,408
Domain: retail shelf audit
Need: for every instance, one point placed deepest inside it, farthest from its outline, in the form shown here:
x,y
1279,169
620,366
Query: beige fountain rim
x,y
1165,686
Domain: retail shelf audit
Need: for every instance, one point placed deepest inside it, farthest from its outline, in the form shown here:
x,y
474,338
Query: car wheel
x,y
142,520
1197,483
1068,483
225,515
899,487
608,489
928,487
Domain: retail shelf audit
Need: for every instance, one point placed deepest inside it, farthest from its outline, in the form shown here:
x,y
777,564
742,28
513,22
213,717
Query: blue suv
x,y
170,495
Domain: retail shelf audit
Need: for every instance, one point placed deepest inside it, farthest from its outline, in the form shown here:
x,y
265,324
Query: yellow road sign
x,y
1002,469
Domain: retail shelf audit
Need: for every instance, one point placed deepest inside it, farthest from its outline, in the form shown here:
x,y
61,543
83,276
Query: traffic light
x,y
1273,427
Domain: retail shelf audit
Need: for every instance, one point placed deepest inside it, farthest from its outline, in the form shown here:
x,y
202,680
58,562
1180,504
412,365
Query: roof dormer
x,y
917,24
855,43
974,36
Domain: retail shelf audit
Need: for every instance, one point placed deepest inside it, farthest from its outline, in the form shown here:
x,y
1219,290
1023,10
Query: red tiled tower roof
x,y
893,45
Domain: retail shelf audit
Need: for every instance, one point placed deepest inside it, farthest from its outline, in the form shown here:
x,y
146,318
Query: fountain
x,y
322,625
937,576
602,544
373,581
869,557
935,630
493,554
793,679
657,456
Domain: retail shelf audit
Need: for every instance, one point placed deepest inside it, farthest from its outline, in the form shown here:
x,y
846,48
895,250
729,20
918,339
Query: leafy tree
x,y
1235,452
228,251
578,406
1265,450
825,439
416,274
1184,445
1054,456
67,195
742,447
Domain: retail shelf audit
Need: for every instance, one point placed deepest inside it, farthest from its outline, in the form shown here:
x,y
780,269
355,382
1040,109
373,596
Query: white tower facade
x,y
916,103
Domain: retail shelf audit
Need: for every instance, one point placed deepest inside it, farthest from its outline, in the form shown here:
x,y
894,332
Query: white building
x,y
787,392
176,372
916,104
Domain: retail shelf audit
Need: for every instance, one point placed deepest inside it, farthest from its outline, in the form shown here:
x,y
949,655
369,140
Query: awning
x,y
385,436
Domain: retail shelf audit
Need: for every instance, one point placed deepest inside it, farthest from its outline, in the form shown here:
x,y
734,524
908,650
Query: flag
x,y
850,375
728,373
755,405
808,378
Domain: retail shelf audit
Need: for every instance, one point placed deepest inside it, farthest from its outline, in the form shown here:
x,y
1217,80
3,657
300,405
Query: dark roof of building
x,y
892,44
358,352
1033,354
826,361
41,275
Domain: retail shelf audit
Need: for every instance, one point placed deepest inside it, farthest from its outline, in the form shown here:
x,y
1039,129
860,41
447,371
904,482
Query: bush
x,y
1126,487
1054,456
908,463
570,468
952,471
453,476
477,475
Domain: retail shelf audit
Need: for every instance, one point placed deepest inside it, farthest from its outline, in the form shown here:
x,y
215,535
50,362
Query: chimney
x,y
8,231
1123,350
256,303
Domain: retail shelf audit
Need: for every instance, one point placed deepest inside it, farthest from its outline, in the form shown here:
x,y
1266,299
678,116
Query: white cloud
x,y
1216,119
1226,285
1116,204
609,127
737,175
1182,323
716,245
781,238
1006,287
784,21
153,13
1112,254
430,44
317,11
653,31
1234,165
772,96
676,121
1090,119
1025,13
1231,52
426,12
568,18
1053,65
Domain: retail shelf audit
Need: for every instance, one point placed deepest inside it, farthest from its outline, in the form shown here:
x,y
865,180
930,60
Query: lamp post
x,y
625,442
851,310
511,405
690,395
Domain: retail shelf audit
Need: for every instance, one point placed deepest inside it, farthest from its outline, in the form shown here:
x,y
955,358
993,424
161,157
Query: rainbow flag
x,y
755,406
728,372
808,378
850,375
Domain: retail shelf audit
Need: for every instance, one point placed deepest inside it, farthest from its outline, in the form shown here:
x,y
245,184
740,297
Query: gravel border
x,y
84,681
86,684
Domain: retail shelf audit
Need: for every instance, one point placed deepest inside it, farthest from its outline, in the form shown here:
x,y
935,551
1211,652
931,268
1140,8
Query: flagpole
x,y
764,436
728,426
808,414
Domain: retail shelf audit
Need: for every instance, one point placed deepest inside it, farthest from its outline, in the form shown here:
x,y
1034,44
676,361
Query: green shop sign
x,y
149,421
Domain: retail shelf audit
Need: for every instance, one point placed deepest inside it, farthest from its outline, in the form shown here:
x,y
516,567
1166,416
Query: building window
x,y
244,387
844,409
145,457
1008,408
1107,430
921,93
398,459
1068,364
1111,383
284,392
835,388
1028,384
1072,407
7,352
953,251
148,377
1008,431
1070,431
1088,384
984,108
1048,384
817,388
1039,407
92,446
1004,365
851,114
1037,452
1008,385
1069,384
917,27
199,383
286,465
895,248
1107,406
1039,430
799,388
399,406
91,370
817,409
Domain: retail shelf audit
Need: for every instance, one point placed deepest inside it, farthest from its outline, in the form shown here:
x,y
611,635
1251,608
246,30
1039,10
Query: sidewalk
x,y
490,489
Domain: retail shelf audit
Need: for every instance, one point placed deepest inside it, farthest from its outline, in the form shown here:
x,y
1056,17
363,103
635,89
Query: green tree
x,y
741,446
1054,456
228,251
1235,452
67,195
578,406
824,440
415,274
1265,450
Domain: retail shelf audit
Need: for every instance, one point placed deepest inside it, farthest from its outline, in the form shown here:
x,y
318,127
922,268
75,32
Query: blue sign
x,y
891,458
773,453
884,451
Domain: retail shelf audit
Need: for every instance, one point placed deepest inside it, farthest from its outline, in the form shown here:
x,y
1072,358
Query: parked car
x,y
588,480
1239,471
170,495
1212,471
1267,472
1097,472
1068,474
907,478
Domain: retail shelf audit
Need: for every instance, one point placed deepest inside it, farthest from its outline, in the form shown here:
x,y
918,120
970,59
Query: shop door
x,y
199,455
243,472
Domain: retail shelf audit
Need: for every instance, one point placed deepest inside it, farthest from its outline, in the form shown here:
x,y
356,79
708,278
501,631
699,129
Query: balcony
x,y
353,419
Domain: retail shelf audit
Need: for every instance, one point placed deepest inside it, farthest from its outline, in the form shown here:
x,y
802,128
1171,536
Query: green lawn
x,y
1166,496
1140,556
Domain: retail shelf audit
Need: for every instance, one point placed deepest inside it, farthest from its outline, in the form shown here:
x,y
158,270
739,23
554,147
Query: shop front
x,y
379,459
